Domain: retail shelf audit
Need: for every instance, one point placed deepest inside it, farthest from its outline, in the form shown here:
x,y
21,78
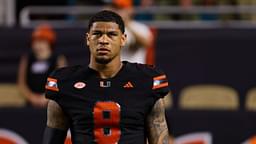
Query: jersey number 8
x,y
106,122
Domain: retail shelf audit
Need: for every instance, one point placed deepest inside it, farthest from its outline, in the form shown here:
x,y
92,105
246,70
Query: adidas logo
x,y
128,85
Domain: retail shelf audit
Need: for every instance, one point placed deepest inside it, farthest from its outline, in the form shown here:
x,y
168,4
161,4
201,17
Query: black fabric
x,y
127,107
36,81
54,136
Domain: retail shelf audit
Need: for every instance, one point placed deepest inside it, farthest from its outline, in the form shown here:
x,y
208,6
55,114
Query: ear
x,y
87,39
123,39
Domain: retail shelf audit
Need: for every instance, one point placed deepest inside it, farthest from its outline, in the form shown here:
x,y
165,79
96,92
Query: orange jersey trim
x,y
51,88
160,85
51,79
160,77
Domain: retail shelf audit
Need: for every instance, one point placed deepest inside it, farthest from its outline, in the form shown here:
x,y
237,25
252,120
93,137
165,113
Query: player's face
x,y
105,40
41,47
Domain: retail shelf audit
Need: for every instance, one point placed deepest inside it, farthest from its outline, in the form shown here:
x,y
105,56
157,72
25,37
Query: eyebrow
x,y
110,31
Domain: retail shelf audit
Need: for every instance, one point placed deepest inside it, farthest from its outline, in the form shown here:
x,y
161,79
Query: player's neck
x,y
107,70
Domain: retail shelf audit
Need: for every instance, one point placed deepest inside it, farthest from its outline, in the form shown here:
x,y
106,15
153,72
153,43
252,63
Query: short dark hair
x,y
107,16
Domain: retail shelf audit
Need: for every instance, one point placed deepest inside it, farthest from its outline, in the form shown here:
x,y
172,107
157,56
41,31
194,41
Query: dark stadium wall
x,y
225,127
188,56
201,56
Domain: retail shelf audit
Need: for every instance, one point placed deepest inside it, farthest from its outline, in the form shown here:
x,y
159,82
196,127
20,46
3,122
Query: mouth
x,y
103,50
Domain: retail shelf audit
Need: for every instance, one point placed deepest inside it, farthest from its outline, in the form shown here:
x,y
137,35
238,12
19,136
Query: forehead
x,y
40,40
103,26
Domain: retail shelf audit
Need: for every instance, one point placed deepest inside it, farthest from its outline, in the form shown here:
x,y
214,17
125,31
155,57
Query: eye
x,y
112,33
97,33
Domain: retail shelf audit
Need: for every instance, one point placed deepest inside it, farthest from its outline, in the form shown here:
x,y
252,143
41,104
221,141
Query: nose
x,y
103,39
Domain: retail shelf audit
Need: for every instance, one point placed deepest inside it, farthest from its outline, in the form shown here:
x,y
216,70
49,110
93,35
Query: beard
x,y
103,60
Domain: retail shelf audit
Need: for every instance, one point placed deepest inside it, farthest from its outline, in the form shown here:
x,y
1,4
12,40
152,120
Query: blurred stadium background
x,y
206,47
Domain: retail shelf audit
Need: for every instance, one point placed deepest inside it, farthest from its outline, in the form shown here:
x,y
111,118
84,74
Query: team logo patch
x,y
79,85
105,84
128,85
52,84
160,82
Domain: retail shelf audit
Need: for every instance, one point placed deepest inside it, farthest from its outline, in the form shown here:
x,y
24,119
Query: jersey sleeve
x,y
52,86
160,85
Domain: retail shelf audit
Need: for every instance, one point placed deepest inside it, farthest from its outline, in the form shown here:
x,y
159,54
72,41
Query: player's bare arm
x,y
55,116
157,126
57,124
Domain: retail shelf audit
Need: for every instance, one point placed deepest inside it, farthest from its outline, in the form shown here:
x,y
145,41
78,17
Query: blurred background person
x,y
207,16
186,5
231,16
247,16
139,38
139,35
37,64
144,4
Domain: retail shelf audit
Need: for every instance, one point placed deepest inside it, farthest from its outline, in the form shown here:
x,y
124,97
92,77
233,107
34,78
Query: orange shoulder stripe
x,y
51,79
51,88
160,85
159,77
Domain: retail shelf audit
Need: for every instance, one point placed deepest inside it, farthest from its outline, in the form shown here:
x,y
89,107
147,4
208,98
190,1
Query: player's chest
x,y
106,90
128,95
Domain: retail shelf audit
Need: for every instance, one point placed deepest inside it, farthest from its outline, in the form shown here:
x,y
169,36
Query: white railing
x,y
78,11
7,13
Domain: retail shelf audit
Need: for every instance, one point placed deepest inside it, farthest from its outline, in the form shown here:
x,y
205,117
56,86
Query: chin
x,y
103,60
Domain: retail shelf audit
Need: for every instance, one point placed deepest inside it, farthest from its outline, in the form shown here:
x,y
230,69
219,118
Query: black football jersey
x,y
107,111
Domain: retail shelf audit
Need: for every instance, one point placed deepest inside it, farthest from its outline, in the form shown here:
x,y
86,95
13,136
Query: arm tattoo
x,y
157,126
55,116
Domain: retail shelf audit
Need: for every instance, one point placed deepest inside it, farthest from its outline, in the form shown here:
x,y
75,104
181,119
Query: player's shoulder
x,y
66,72
145,69
154,76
